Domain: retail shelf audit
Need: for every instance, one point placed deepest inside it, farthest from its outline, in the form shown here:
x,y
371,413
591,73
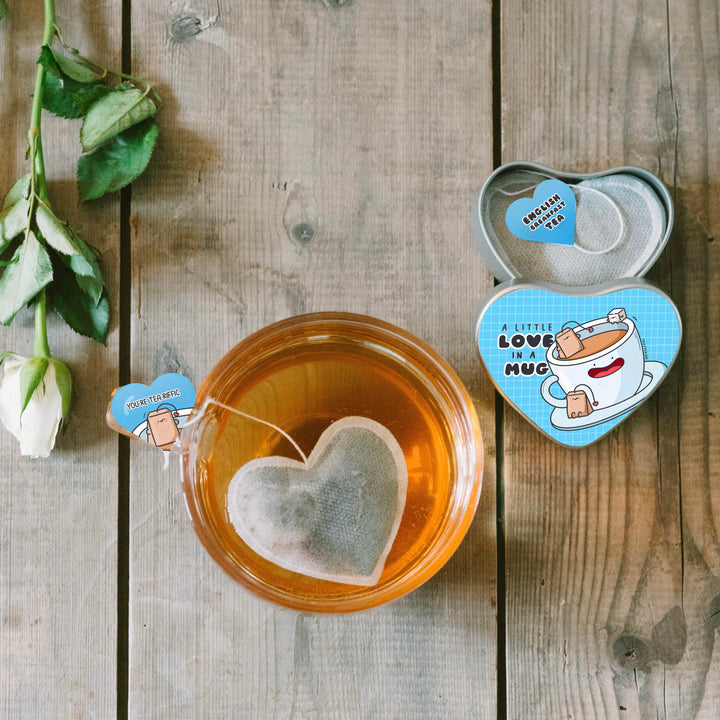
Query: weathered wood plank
x,y
58,517
314,156
612,551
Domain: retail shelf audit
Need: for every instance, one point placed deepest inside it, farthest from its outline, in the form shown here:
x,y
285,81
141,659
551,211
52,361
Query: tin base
x,y
622,221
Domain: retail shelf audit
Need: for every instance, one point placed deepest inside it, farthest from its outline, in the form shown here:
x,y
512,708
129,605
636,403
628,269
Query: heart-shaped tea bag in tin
x,y
332,517
622,220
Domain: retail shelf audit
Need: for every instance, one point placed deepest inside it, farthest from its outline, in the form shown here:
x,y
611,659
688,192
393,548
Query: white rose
x,y
34,400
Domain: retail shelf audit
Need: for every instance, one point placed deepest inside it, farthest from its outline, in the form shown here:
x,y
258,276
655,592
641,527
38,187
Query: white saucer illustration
x,y
652,374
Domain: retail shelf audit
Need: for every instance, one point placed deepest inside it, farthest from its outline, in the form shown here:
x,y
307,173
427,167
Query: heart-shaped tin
x,y
577,362
623,219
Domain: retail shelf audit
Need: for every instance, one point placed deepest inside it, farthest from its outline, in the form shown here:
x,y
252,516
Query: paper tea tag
x,y
333,517
549,216
155,414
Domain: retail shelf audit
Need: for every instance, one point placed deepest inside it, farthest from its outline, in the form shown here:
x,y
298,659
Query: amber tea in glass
x,y
300,375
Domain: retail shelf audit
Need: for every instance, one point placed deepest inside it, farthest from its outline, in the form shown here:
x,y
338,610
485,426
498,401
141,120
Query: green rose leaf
x,y
62,66
30,271
55,232
21,189
109,116
87,270
69,99
48,61
118,162
78,309
70,88
13,220
57,100
3,9
74,69
14,213
75,253
31,375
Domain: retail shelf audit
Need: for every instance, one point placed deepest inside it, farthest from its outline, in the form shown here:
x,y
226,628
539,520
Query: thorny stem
x,y
38,182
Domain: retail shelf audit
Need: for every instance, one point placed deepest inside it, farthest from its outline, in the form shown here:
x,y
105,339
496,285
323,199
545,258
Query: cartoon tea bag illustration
x,y
162,427
568,343
580,401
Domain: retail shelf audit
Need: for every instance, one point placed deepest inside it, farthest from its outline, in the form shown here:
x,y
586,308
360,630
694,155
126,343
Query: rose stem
x,y
38,170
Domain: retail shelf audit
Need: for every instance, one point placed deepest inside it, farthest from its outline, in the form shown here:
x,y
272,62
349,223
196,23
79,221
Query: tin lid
x,y
577,230
575,362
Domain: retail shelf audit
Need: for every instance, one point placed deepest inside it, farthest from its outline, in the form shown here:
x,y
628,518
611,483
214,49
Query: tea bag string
x,y
614,205
209,401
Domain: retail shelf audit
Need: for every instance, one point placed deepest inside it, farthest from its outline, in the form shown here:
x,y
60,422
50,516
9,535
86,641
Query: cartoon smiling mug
x,y
607,363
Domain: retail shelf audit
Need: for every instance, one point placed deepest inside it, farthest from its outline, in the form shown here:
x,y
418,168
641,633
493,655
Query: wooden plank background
x,y
612,551
323,154
369,125
58,517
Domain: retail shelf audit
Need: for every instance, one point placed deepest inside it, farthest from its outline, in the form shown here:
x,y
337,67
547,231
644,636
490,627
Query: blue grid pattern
x,y
527,310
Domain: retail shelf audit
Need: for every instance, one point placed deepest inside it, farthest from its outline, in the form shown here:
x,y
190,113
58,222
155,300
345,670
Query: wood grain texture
x,y
314,156
322,155
612,551
58,517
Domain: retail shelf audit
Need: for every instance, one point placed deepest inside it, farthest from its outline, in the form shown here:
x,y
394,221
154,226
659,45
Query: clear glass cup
x,y
301,375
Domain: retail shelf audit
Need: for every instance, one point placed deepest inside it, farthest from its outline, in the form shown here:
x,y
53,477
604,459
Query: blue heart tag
x,y
549,216
156,413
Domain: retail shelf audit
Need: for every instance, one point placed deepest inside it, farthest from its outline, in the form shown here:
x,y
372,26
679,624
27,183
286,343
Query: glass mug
x,y
300,375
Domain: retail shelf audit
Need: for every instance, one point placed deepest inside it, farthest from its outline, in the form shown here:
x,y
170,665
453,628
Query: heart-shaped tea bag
x,y
334,517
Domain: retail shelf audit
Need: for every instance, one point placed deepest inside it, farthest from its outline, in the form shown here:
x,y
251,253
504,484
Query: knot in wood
x,y
338,3
189,24
185,27
303,233
631,653
669,636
